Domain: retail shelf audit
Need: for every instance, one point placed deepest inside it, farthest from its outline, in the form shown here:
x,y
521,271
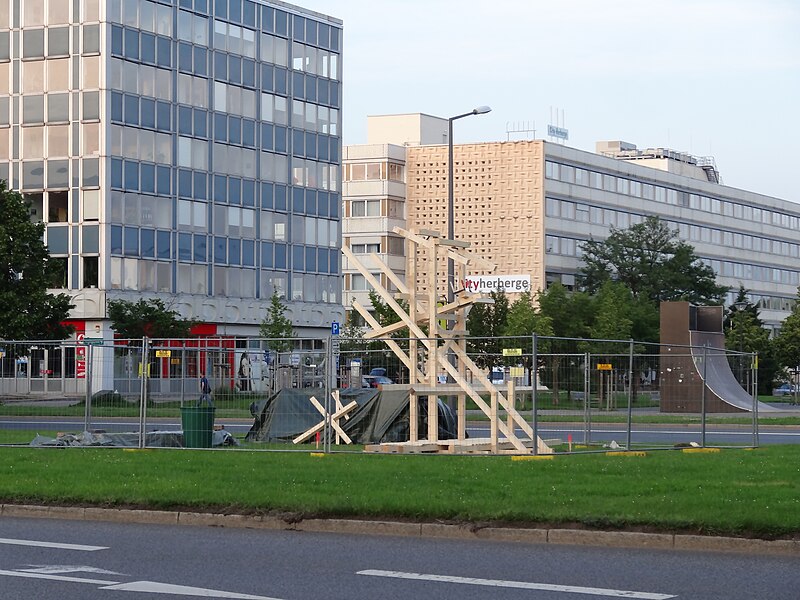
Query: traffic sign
x,y
87,341
335,345
335,328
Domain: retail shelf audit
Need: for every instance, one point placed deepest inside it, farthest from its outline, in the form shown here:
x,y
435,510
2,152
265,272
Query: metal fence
x,y
574,394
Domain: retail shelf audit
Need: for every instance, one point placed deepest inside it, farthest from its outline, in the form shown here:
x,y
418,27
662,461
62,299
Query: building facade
x,y
187,150
527,206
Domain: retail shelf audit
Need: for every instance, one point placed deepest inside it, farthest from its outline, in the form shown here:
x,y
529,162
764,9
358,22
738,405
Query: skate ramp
x,y
719,377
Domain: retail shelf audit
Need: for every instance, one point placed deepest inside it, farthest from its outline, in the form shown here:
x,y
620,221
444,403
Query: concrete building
x,y
183,150
528,205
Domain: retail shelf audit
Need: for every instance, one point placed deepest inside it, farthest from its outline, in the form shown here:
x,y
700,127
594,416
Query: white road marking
x,y
518,585
60,569
52,545
154,587
56,577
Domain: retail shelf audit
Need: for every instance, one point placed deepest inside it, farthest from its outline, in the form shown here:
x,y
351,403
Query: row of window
x,y
198,248
743,271
395,209
133,209
52,42
54,174
47,12
54,108
374,171
55,206
577,211
85,237
391,245
226,281
622,185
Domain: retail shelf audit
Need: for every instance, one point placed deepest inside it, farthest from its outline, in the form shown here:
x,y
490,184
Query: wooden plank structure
x,y
333,419
440,345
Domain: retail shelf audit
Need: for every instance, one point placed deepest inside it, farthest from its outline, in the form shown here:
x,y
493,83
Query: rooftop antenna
x,y
526,129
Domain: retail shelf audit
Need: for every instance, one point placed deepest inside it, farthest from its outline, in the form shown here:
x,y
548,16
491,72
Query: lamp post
x,y
451,267
740,307
480,110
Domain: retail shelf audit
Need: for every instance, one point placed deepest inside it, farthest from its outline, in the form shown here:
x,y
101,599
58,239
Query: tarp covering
x,y
381,416
153,439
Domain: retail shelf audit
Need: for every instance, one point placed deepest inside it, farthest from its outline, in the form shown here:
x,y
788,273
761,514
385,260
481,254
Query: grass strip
x,y
733,492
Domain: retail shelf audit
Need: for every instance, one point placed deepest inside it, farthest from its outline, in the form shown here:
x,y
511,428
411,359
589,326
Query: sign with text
x,y
483,284
163,353
512,351
603,367
558,132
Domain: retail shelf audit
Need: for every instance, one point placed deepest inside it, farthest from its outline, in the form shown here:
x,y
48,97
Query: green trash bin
x,y
198,426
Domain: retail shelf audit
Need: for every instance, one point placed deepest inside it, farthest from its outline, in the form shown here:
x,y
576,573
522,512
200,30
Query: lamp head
x,y
481,110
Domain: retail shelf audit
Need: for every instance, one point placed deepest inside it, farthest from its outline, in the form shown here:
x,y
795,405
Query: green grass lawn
x,y
733,492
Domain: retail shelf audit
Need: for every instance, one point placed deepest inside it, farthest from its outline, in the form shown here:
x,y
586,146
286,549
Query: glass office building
x,y
181,149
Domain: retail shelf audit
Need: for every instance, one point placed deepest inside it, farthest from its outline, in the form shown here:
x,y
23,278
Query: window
x,y
33,43
90,272
365,208
57,209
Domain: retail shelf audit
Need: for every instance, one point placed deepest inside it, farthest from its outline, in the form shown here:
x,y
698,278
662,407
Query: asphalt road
x,y
42,558
654,434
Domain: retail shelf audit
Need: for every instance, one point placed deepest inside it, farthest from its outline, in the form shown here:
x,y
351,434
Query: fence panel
x,y
577,395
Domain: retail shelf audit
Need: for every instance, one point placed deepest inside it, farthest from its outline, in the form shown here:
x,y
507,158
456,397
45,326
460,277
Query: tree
x,y
787,342
27,310
571,315
277,326
651,262
745,332
613,304
485,324
147,318
524,319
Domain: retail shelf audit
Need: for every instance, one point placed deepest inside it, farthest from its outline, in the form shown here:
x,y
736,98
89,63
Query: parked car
x,y
377,380
787,389
378,372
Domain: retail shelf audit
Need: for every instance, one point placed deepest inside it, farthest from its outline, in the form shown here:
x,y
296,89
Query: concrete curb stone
x,y
584,537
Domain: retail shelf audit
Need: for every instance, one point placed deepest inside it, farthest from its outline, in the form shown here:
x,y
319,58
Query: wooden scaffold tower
x,y
443,348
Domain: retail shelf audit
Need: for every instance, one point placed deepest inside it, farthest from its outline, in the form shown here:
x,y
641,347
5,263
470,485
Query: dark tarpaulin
x,y
381,416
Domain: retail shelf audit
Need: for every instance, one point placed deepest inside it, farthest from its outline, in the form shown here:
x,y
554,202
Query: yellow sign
x,y
163,353
512,351
175,361
517,371
603,367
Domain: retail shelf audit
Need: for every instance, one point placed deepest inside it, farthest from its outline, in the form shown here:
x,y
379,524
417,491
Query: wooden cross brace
x,y
341,411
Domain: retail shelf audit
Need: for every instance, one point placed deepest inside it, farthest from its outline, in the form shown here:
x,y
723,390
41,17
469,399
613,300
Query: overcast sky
x,y
708,77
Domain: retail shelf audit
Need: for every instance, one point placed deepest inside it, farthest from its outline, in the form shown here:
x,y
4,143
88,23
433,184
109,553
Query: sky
x,y
714,78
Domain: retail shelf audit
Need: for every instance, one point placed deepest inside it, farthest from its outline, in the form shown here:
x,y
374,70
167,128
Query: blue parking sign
x,y
335,328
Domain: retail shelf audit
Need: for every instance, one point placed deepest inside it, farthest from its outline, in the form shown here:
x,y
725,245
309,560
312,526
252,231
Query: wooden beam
x,y
393,346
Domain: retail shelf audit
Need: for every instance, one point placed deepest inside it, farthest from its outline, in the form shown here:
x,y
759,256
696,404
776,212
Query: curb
x,y
575,537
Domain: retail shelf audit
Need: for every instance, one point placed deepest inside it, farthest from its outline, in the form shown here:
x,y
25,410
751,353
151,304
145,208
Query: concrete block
x,y
614,539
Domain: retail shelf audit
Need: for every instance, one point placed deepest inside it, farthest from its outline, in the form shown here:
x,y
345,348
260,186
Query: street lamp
x,y
481,110
740,307
451,267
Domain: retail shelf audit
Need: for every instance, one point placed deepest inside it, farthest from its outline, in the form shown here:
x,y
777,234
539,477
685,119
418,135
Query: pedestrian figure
x,y
244,373
205,391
